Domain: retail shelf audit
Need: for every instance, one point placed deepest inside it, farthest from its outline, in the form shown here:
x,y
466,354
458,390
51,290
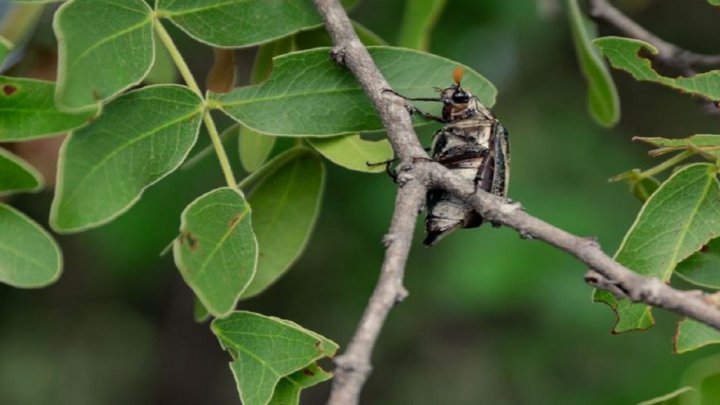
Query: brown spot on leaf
x,y
705,248
190,240
234,221
308,372
9,90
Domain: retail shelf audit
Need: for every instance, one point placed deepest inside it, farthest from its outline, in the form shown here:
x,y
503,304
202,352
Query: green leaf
x,y
418,21
692,335
714,2
5,48
17,175
104,48
29,257
27,111
676,397
354,153
703,267
163,70
286,202
624,53
239,23
603,100
287,392
255,147
675,222
707,144
308,95
104,168
266,349
217,251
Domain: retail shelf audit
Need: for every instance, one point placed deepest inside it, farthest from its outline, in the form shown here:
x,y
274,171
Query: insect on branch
x,y
416,174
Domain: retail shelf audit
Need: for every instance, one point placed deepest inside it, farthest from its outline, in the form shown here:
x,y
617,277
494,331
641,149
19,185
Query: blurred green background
x,y
491,318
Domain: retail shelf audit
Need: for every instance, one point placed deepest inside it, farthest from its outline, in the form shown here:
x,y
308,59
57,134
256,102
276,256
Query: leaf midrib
x,y
109,38
124,146
171,13
222,240
686,228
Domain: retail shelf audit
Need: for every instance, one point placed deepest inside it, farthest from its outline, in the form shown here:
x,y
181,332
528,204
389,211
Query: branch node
x,y
352,365
388,240
402,293
338,54
525,235
404,174
712,299
597,280
649,292
592,242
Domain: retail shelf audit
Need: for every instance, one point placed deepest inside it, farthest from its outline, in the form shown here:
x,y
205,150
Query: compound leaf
x,y
287,392
104,168
286,203
239,23
308,95
354,153
27,110
105,46
692,335
675,222
418,21
17,175
603,100
29,257
266,349
216,251
624,53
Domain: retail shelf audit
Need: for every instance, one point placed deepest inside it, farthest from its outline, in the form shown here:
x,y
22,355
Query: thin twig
x,y
353,366
417,173
670,54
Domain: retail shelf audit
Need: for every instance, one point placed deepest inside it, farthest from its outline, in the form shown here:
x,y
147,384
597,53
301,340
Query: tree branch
x,y
670,54
417,173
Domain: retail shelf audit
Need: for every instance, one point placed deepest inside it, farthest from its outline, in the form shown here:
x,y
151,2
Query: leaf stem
x,y
666,164
207,118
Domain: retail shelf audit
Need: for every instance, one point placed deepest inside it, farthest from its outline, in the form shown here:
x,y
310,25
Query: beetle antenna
x,y
458,74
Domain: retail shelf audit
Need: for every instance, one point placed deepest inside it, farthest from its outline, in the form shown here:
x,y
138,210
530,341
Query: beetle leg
x,y
388,167
414,110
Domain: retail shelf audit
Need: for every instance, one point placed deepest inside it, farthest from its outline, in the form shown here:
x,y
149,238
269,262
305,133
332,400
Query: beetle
x,y
472,143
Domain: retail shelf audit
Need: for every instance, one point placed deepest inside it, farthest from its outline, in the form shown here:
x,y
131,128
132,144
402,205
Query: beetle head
x,y
455,96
